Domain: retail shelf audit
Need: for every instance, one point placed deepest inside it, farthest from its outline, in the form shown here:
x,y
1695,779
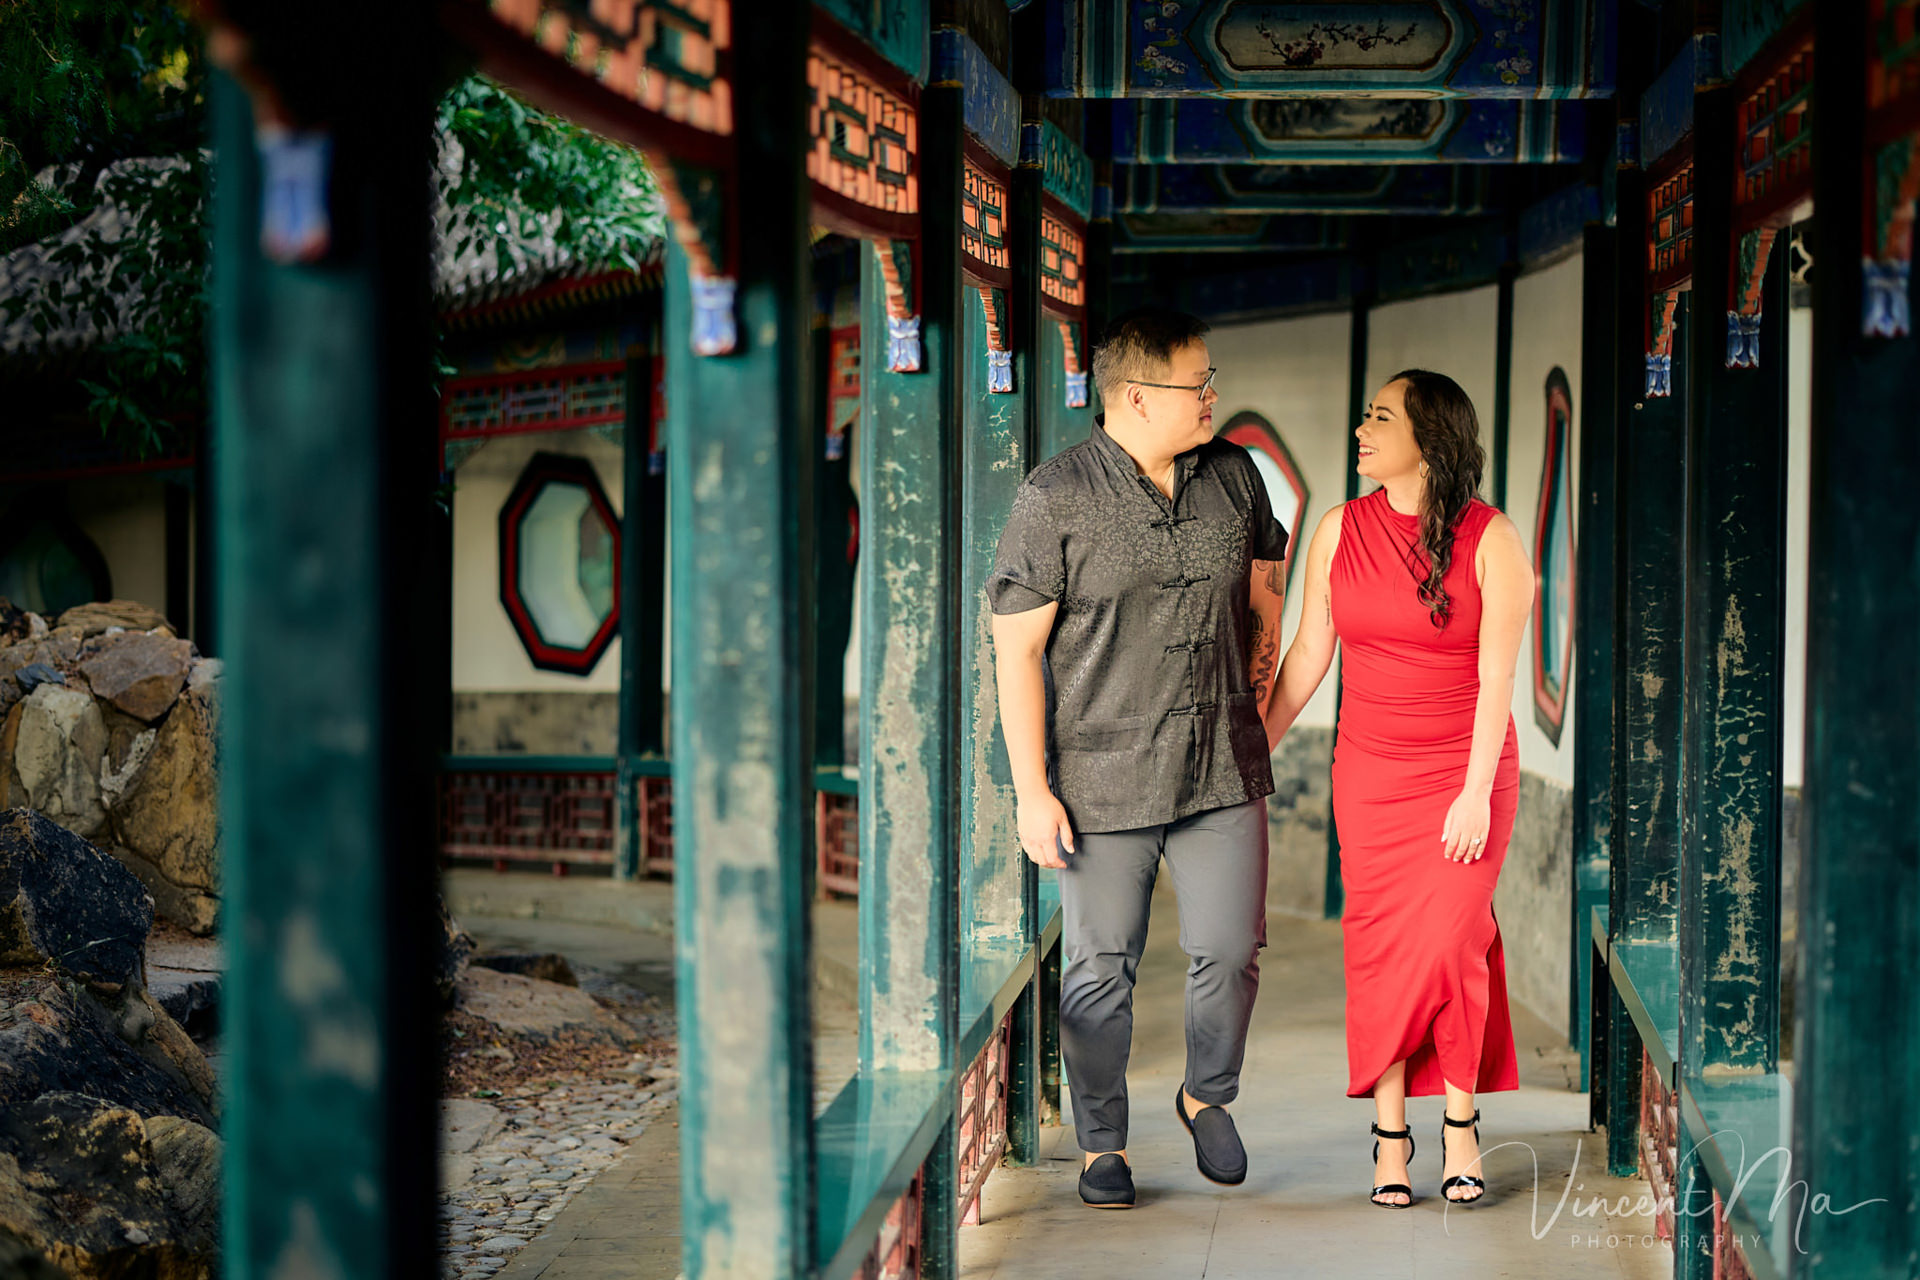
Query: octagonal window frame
x,y
1252,431
1556,482
542,470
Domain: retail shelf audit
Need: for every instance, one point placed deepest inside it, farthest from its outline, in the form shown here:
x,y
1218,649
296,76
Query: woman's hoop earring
x,y
1423,468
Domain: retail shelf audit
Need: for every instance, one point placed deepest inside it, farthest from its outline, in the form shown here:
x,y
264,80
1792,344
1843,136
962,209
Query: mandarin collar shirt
x,y
1151,713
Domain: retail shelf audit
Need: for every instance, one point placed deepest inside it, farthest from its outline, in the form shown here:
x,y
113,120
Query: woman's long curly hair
x,y
1447,432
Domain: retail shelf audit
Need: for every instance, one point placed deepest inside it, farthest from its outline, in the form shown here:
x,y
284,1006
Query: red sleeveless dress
x,y
1426,976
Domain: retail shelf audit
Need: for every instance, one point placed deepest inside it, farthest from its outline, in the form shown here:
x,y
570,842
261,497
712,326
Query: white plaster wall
x,y
1293,373
487,655
1546,334
126,516
1450,333
1799,432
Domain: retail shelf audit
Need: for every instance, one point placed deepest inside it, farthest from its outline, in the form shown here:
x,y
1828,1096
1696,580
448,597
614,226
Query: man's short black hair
x,y
1140,344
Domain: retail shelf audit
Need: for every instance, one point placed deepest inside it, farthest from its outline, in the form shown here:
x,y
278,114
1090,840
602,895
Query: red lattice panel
x,y
983,1120
983,219
656,826
1776,149
1659,1140
896,1254
837,842
558,817
1670,230
557,399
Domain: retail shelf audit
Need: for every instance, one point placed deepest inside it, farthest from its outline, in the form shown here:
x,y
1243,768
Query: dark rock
x,y
64,901
139,673
54,1035
193,1001
187,1158
82,1184
35,674
548,966
456,947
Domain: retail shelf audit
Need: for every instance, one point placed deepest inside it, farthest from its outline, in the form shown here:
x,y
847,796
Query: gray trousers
x,y
1218,860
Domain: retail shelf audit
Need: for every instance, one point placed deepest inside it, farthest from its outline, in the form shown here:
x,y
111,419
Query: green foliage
x,y
529,187
85,83
518,163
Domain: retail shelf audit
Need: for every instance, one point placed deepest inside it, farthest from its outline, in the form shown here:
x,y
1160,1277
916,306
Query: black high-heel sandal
x,y
1401,1187
1461,1179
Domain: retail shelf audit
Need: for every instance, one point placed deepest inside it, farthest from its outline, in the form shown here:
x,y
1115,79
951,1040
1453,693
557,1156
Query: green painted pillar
x,y
740,474
1616,1062
1857,1033
321,373
1735,647
1591,695
1646,904
643,562
1503,378
1359,394
910,655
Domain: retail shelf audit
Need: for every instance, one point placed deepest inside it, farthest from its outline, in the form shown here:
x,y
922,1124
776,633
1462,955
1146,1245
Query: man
x,y
1136,602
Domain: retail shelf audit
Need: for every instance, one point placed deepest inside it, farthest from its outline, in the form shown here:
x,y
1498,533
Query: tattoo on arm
x,y
1276,578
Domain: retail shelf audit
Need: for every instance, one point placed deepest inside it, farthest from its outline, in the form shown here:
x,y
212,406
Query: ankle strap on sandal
x,y
1378,1132
1463,1124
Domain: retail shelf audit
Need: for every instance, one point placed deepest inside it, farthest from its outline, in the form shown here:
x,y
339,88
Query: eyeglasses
x,y
1200,391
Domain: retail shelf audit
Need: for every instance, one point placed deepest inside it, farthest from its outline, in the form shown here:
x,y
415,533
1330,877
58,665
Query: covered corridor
x,y
1631,196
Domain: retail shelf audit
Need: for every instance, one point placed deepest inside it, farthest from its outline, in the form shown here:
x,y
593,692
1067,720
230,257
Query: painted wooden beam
x,y
1443,48
1229,233
740,473
1369,131
319,374
1282,188
1857,1038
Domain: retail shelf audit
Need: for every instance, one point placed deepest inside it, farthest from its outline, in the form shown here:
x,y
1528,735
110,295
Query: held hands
x,y
1468,820
1044,829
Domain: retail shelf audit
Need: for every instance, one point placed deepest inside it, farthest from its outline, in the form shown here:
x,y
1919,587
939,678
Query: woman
x,y
1428,589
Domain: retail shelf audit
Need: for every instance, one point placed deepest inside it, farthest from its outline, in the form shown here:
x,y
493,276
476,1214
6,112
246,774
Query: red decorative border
x,y
1774,179
1056,216
1670,227
1550,709
544,469
1252,430
986,172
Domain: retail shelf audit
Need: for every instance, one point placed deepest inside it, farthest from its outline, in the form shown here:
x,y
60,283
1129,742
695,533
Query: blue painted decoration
x,y
1332,48
1348,131
1460,257
1284,188
1229,233
714,330
903,344
896,28
1065,172
1666,108
989,105
1747,25
1554,226
294,167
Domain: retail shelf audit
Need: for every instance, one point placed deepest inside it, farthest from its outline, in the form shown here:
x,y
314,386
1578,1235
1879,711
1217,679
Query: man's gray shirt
x,y
1151,713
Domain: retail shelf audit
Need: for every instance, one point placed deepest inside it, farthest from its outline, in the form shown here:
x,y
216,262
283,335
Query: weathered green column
x,y
740,458
1857,1037
643,562
910,652
324,446
1735,645
1653,506
1615,1077
1594,603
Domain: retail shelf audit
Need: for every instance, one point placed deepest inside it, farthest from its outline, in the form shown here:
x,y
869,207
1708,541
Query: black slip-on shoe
x,y
1216,1143
1107,1183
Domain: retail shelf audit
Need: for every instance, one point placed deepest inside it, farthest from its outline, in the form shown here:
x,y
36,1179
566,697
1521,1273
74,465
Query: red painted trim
x,y
553,85
834,211
1251,429
1552,706
482,381
543,469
